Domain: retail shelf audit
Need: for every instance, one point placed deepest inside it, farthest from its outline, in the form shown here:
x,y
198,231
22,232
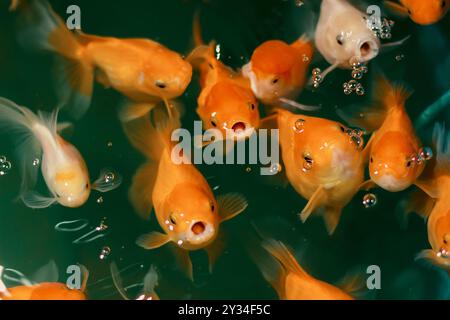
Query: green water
x,y
364,237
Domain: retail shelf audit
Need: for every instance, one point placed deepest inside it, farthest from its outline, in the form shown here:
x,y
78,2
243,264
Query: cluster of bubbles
x,y
356,136
358,71
424,154
316,77
369,200
104,253
381,28
5,166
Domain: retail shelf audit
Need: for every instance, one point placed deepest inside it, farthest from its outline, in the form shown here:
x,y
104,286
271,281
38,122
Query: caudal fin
x,y
42,29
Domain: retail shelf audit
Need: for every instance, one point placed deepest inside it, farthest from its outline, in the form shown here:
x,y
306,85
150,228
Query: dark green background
x,y
364,237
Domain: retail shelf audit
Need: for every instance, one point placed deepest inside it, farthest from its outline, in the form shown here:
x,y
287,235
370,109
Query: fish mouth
x,y
368,49
200,232
240,131
390,183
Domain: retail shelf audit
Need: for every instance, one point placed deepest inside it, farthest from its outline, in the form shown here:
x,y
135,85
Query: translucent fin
x,y
150,281
117,280
141,190
43,29
3,290
184,261
331,216
230,205
385,47
353,283
215,250
284,256
107,181
396,8
47,273
420,203
34,200
315,202
153,240
431,257
132,111
298,106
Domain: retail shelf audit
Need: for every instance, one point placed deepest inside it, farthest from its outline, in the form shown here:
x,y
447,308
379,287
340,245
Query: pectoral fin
x,y
230,205
152,240
315,202
34,200
420,203
184,261
429,187
331,216
214,250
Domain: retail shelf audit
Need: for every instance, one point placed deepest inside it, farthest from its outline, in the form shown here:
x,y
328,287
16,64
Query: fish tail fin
x,y
389,95
276,269
197,30
20,121
43,29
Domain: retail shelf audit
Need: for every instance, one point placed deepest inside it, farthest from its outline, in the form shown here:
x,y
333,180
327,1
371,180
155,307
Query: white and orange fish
x,y
395,154
277,70
290,280
226,101
143,70
184,203
62,165
43,291
421,12
323,162
433,204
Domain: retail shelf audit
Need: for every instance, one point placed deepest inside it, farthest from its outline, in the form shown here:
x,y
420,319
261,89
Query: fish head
x,y
232,109
71,185
426,12
394,162
191,216
441,236
166,75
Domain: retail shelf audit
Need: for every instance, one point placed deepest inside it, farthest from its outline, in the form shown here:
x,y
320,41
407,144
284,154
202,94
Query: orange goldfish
x,y
420,11
291,281
183,201
323,162
62,166
433,203
396,155
43,291
226,101
141,69
277,70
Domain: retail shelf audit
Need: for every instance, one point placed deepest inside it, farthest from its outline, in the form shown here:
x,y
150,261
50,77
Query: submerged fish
x,y
62,166
422,12
291,281
226,101
433,202
277,70
141,69
395,154
323,162
184,203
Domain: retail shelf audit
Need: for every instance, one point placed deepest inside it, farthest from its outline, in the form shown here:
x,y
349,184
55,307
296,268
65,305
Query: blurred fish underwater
x,y
100,235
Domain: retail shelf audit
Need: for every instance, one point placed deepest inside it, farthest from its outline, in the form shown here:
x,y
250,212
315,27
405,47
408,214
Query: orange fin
x,y
331,216
141,190
215,249
396,8
197,30
315,201
283,255
353,283
230,205
420,203
367,185
184,261
153,240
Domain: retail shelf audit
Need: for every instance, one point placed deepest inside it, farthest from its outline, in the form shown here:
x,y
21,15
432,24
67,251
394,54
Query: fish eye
x,y
409,11
213,123
87,186
172,219
252,106
212,207
340,40
274,81
308,159
409,164
443,3
57,195
371,159
445,241
160,84
342,129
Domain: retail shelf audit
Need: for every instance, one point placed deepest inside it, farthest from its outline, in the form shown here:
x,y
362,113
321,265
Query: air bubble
x,y
370,200
100,200
5,166
109,177
36,162
276,168
425,154
399,57
106,251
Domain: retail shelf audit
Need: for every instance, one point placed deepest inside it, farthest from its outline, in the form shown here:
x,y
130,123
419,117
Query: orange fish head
x,y
167,80
232,109
277,70
394,162
441,236
325,149
191,217
71,186
426,12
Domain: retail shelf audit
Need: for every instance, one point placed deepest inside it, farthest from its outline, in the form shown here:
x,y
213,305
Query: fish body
x,y
421,12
